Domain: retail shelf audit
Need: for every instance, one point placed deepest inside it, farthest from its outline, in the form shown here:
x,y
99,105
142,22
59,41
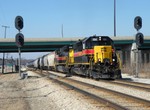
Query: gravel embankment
x,y
39,93
126,90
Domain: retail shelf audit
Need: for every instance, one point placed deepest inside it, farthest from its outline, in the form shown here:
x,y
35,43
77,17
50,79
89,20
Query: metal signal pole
x,y
19,40
19,61
137,63
139,38
12,63
3,63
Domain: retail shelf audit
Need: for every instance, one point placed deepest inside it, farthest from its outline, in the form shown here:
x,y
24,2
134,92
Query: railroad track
x,y
104,103
75,86
111,98
135,85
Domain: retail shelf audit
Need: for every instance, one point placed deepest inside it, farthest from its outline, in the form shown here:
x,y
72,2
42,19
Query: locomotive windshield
x,y
101,41
98,41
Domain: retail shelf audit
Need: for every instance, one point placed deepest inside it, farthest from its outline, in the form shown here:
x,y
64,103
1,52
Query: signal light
x,y
19,40
19,23
139,39
138,23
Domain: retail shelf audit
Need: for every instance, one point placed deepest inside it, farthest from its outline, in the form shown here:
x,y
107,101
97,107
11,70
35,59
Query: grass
x,y
144,70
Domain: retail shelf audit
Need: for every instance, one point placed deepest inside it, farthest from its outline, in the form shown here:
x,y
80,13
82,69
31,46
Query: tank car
x,y
50,61
42,62
45,62
35,63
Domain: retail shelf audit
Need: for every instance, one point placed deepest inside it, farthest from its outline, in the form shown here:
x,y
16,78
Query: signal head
x,y
19,22
139,39
19,40
138,23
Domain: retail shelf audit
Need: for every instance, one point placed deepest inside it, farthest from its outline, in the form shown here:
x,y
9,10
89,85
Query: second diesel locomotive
x,y
94,57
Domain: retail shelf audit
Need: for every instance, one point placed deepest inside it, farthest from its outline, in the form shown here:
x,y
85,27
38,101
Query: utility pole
x,y
3,63
114,18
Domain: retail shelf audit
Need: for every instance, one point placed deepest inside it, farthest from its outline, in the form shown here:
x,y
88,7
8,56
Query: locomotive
x,y
94,57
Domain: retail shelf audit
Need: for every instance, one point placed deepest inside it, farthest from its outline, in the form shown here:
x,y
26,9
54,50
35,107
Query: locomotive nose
x,y
101,53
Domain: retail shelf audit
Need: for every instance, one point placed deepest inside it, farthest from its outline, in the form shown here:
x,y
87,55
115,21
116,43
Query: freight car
x,y
94,57
44,62
50,60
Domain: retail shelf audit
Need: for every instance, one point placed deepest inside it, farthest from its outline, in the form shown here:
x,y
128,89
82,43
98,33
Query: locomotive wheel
x,y
68,72
88,73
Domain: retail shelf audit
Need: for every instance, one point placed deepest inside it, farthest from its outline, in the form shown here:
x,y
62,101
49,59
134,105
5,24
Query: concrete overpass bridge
x,y
123,45
50,44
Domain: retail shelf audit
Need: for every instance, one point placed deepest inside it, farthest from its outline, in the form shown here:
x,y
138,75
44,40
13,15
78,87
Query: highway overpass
x,y
50,44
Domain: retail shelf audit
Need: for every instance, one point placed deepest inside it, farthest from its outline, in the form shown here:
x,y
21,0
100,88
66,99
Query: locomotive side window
x,y
88,44
83,46
78,47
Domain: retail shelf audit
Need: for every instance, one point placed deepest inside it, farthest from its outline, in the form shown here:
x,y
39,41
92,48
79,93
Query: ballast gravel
x,y
39,93
126,90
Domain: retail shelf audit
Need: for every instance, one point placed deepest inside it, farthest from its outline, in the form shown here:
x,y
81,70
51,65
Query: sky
x,y
80,18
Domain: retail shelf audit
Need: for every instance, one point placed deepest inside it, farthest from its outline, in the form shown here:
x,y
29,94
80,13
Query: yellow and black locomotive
x,y
94,56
